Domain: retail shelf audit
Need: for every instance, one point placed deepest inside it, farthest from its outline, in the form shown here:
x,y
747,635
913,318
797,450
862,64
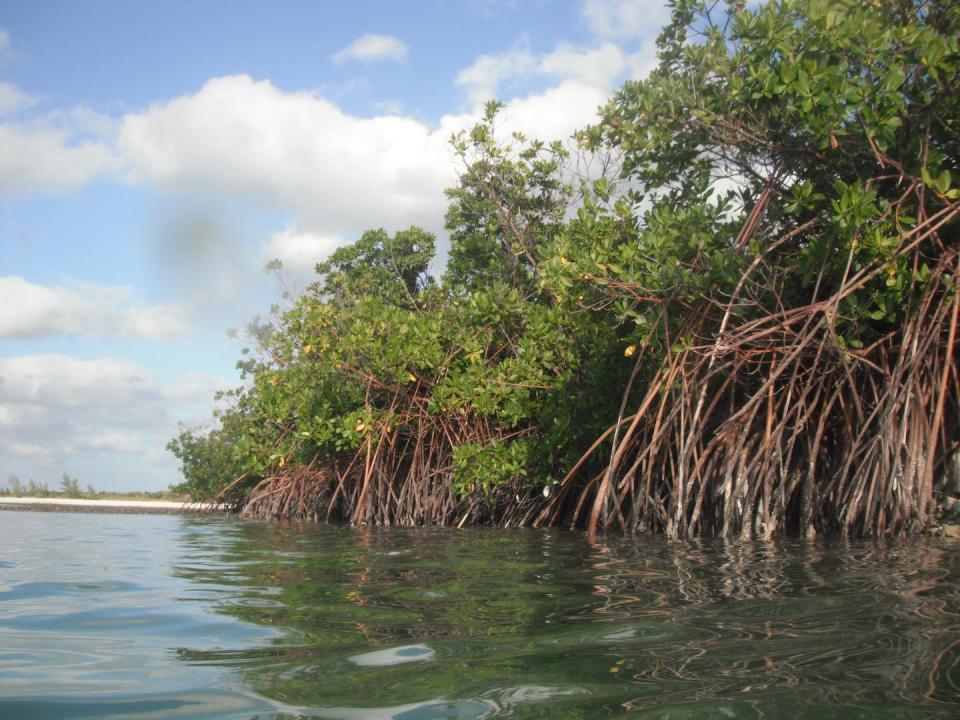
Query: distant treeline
x,y
731,309
70,488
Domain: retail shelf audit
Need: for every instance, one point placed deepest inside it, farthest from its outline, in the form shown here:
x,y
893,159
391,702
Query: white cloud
x,y
191,388
112,442
299,252
55,151
483,78
28,310
42,159
625,18
600,68
117,391
61,413
89,123
373,47
28,450
13,99
555,113
338,173
335,174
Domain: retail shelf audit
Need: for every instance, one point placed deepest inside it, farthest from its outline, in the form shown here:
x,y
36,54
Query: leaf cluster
x,y
782,161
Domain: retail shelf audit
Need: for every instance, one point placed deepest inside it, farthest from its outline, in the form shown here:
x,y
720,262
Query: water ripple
x,y
159,616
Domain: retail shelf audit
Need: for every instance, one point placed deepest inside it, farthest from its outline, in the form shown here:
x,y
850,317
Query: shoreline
x,y
144,507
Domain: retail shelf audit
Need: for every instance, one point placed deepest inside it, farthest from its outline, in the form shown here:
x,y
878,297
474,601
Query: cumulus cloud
x,y
55,151
86,122
116,391
337,172
334,174
299,252
600,68
37,158
483,78
112,442
625,18
371,48
13,99
28,310
62,413
555,113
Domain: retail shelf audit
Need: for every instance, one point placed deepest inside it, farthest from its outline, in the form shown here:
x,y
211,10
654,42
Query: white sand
x,y
81,502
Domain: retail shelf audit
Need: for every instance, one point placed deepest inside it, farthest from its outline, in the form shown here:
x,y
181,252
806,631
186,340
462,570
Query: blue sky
x,y
154,156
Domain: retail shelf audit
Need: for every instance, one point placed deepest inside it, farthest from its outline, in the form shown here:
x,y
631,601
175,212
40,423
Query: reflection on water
x,y
156,617
394,656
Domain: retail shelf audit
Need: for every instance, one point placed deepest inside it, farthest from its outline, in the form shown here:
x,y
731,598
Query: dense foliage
x,y
749,329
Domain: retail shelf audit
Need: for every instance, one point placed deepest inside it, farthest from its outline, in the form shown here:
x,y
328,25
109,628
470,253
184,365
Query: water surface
x,y
123,616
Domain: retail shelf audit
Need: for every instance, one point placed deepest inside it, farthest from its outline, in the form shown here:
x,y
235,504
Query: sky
x,y
154,156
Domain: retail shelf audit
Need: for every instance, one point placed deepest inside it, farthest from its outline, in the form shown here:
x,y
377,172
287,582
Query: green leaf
x,y
943,181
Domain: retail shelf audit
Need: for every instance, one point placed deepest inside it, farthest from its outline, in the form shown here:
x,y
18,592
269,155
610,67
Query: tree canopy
x,y
747,328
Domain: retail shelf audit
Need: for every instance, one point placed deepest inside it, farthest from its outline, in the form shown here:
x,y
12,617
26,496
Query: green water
x,y
119,616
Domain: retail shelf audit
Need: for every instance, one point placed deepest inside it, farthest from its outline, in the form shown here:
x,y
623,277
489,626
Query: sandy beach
x,y
55,504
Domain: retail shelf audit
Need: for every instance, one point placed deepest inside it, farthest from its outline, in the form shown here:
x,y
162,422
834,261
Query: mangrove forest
x,y
728,308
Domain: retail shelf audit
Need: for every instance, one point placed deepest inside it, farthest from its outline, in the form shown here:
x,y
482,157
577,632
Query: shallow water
x,y
121,616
